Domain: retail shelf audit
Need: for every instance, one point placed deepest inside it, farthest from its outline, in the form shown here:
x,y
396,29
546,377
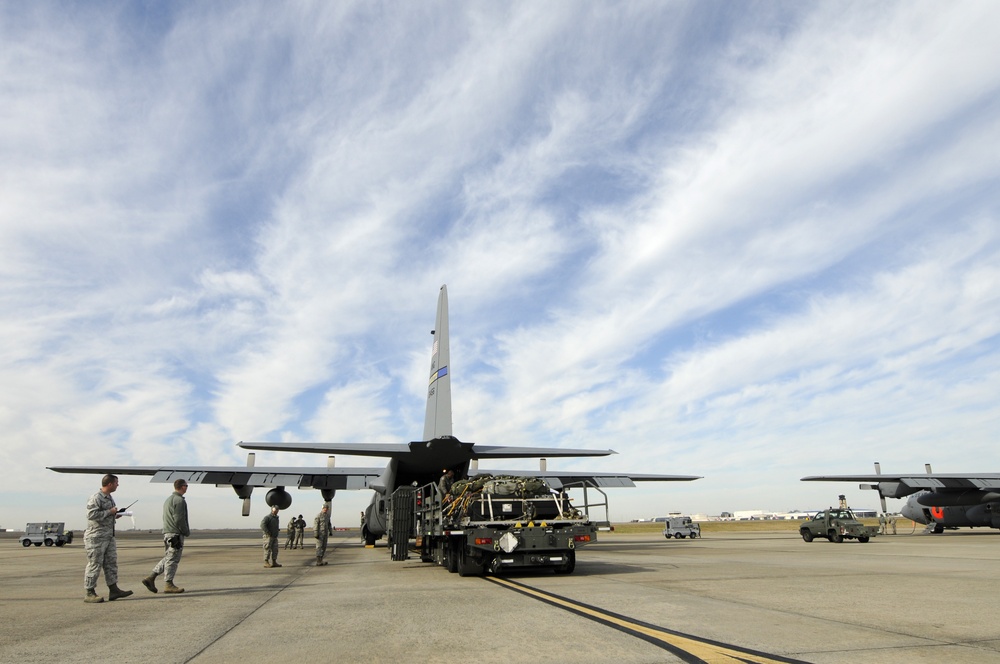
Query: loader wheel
x,y
26,542
467,565
677,536
568,566
48,542
807,535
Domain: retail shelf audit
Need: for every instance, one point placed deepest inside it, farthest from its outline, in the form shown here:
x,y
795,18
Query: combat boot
x,y
275,565
268,563
172,589
114,592
92,597
319,561
150,582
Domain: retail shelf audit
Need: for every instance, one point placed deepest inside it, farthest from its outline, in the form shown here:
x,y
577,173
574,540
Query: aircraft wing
x,y
558,479
921,481
315,477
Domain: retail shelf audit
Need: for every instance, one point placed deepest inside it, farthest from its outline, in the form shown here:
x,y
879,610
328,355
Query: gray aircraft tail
x,y
437,421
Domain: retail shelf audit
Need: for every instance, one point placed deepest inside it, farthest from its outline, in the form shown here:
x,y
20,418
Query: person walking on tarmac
x,y
322,527
290,534
881,524
175,529
270,525
300,531
99,543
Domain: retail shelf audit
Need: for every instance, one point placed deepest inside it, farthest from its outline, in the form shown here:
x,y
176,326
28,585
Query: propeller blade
x,y
878,471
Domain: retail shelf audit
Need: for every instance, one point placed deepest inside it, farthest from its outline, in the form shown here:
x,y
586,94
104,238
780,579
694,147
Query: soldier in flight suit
x,y
99,543
175,529
271,527
445,483
300,531
322,528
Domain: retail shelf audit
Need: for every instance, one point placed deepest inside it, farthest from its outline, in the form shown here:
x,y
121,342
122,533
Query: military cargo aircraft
x,y
937,500
418,462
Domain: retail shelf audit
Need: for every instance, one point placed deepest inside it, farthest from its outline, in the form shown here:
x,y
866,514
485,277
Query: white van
x,y
680,527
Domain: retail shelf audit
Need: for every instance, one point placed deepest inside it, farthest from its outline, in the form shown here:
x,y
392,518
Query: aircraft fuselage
x,y
927,509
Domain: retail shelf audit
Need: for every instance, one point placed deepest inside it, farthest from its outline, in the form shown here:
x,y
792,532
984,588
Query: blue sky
x,y
749,241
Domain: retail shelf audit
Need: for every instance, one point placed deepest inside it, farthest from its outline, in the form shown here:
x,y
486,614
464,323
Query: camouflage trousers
x,y
290,542
320,547
171,556
102,554
270,548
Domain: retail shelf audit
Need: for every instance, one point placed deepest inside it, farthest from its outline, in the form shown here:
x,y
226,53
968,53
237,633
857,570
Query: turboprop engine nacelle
x,y
891,489
278,497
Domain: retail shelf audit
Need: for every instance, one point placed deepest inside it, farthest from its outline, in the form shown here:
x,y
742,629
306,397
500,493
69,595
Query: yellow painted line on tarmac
x,y
685,646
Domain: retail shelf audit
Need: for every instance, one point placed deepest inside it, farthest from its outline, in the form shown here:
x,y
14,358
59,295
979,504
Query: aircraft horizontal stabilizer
x,y
350,449
511,452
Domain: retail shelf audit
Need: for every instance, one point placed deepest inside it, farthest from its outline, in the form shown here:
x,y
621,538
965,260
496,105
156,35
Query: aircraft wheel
x,y
48,542
863,539
807,535
26,542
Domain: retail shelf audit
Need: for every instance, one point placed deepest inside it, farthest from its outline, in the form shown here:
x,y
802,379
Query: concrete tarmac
x,y
633,599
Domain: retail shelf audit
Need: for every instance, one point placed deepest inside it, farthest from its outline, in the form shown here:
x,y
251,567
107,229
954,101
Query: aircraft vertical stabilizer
x,y
437,421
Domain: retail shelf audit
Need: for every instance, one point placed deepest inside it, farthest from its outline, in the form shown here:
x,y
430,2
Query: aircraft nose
x,y
912,511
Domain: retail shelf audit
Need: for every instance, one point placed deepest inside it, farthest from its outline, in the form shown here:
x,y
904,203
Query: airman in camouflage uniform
x,y
271,528
175,529
99,543
322,528
300,531
290,534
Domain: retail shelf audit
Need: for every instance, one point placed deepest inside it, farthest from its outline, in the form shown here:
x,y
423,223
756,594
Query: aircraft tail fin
x,y
437,421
